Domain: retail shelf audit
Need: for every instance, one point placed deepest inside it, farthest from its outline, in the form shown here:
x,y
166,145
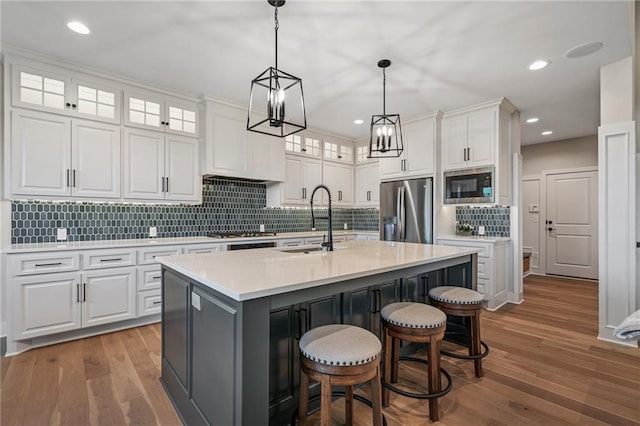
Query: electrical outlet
x,y
153,232
480,230
262,227
345,226
61,234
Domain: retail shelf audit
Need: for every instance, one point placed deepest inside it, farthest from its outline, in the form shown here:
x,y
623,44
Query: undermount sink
x,y
307,249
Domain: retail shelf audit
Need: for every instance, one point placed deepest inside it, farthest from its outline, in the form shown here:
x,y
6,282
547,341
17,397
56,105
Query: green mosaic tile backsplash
x,y
228,205
495,219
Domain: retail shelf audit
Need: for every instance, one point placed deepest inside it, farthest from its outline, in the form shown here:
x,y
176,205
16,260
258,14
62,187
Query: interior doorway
x,y
570,229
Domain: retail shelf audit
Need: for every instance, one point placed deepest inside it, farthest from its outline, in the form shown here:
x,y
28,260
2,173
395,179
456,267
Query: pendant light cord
x,y
277,25
384,91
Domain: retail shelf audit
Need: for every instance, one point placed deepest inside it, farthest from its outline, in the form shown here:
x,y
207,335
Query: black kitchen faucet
x,y
328,244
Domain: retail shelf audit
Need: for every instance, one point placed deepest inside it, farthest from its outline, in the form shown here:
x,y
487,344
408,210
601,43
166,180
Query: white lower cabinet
x,y
46,304
493,270
149,302
108,296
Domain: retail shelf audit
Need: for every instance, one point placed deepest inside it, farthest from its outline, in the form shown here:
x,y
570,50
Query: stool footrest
x,y
434,395
357,397
484,353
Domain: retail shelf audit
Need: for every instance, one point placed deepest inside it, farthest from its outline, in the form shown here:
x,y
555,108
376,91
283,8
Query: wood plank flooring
x,y
545,367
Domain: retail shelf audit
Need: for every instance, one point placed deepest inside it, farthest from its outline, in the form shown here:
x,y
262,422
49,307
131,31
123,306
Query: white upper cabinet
x,y
155,111
302,176
52,90
367,184
469,140
161,167
53,155
418,157
478,136
338,151
339,179
304,143
230,150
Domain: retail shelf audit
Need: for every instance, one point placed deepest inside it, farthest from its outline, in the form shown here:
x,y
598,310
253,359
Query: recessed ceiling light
x,y
78,27
583,50
532,120
538,65
358,121
546,133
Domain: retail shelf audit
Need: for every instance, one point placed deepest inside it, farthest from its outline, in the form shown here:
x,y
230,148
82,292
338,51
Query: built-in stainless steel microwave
x,y
469,186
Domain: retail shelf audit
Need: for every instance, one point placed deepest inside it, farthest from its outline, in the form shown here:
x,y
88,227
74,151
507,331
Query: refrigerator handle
x,y
399,213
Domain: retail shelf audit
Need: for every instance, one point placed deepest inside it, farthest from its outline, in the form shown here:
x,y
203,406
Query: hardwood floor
x,y
545,367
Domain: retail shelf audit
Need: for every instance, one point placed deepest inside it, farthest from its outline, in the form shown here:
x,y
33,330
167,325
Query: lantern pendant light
x,y
270,91
386,131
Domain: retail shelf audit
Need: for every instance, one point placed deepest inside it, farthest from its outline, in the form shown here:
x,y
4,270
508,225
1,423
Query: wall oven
x,y
469,186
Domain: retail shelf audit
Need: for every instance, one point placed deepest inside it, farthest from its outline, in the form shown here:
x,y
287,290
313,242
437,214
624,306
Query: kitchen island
x,y
232,320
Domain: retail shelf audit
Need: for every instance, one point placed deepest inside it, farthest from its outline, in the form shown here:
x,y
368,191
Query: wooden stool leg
x,y
325,400
396,360
475,342
348,406
434,377
303,405
376,399
388,360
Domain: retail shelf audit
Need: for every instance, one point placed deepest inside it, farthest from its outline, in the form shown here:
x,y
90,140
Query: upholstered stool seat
x,y
467,303
339,355
418,323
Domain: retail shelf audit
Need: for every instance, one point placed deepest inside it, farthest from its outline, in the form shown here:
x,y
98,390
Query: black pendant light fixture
x,y
386,131
270,92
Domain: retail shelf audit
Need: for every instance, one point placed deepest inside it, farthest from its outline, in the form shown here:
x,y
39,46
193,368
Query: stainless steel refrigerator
x,y
406,211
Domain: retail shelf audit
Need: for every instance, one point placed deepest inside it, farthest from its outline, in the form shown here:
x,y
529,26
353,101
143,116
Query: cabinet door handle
x,y
68,177
167,180
84,292
339,195
157,277
48,264
299,313
115,259
468,154
157,302
78,293
73,178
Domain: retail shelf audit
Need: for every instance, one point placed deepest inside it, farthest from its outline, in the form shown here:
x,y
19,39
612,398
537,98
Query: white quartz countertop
x,y
474,238
150,242
249,274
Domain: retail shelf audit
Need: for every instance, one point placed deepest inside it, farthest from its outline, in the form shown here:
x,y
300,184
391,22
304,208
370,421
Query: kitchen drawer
x,y
148,256
316,241
149,277
484,268
98,259
485,248
149,302
339,239
204,248
39,263
290,243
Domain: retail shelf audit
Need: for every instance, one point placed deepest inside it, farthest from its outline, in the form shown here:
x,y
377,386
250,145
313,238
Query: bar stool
x,y
467,303
339,355
418,323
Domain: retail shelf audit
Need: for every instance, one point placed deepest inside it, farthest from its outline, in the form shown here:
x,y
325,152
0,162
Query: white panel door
x,y
419,141
95,159
40,89
454,142
182,169
293,186
145,110
345,185
330,177
46,304
181,117
481,138
108,296
40,154
143,164
572,220
312,171
97,101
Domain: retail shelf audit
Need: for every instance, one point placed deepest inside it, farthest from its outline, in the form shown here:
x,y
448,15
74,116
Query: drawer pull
x,y
157,302
49,264
116,259
157,277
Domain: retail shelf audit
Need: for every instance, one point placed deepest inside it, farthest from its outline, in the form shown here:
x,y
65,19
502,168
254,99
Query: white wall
x,y
616,92
568,153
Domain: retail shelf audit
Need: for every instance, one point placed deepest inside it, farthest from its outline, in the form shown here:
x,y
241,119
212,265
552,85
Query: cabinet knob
x,y
68,104
73,106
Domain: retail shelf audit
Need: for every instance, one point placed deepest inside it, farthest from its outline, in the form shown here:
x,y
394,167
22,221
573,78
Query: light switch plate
x,y
61,234
153,231
481,230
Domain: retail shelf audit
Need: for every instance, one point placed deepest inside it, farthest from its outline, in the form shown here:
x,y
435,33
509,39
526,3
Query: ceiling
x,y
445,55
